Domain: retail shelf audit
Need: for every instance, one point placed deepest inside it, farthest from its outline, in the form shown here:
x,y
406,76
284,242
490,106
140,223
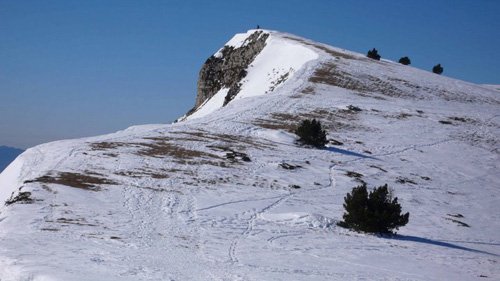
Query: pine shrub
x,y
438,69
374,212
373,54
405,61
310,132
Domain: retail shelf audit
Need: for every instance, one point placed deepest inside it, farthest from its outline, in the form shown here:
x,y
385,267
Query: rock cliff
x,y
227,68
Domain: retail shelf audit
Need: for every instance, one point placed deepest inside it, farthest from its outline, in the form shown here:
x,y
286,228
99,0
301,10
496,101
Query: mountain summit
x,y
226,193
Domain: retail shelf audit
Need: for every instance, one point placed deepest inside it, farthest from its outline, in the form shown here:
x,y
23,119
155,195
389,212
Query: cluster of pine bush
x,y
373,54
377,211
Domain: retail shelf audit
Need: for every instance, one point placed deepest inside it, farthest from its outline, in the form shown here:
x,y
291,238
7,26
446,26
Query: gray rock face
x,y
228,69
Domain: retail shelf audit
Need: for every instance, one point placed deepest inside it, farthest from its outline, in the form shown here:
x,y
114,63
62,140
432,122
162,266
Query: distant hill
x,y
7,155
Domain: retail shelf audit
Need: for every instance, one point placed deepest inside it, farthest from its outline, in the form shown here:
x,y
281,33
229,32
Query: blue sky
x,y
79,68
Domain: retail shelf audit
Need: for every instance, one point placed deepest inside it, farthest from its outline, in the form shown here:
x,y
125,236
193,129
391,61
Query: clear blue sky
x,y
85,67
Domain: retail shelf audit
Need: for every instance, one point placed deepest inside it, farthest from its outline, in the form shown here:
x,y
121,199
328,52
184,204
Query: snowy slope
x,y
493,87
179,201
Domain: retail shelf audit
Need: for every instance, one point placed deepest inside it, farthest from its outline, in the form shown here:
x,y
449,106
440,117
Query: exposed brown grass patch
x,y
78,221
325,49
306,91
274,125
221,164
238,140
279,121
159,174
444,94
140,175
286,117
329,74
331,120
104,145
162,139
405,83
76,180
234,140
386,88
161,148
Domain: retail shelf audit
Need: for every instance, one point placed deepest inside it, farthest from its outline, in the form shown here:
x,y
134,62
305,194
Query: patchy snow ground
x,y
181,201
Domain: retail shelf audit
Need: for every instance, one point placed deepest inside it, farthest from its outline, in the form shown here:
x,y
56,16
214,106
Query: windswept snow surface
x,y
275,64
493,87
210,105
180,204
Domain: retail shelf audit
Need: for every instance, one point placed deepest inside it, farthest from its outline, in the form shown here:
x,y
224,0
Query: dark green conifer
x,y
373,54
438,69
310,132
405,61
374,212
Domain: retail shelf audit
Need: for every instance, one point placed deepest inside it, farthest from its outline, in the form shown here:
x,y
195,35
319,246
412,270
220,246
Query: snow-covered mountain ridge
x,y
208,198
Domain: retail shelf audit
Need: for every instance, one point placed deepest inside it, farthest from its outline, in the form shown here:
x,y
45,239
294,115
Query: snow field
x,y
173,217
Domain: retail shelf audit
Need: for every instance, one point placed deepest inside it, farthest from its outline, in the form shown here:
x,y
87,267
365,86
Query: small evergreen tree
x,y
405,61
438,69
373,54
310,132
374,212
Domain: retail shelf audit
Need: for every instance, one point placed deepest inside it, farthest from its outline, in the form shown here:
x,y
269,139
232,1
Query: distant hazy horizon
x,y
7,155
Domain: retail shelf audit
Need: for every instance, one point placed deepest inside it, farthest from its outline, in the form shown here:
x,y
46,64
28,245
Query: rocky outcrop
x,y
227,68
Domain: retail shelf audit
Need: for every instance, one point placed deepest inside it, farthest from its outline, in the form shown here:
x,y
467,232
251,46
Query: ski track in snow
x,y
237,201
243,221
234,244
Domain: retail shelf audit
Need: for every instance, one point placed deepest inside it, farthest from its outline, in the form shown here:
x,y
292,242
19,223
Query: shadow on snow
x,y
436,243
349,153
